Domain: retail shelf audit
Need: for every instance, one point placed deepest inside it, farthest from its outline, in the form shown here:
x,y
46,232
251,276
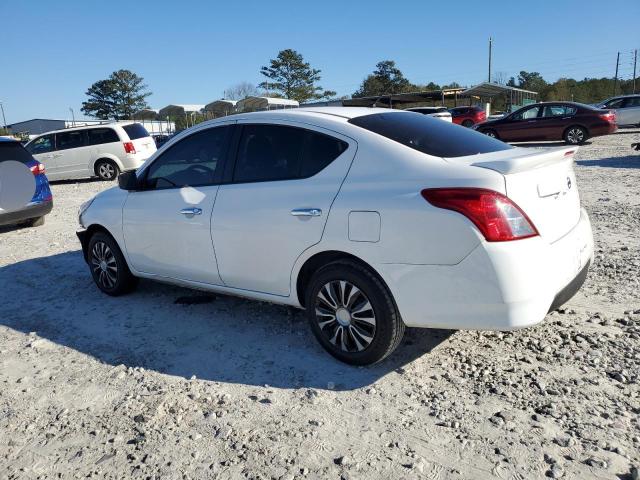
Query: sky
x,y
189,52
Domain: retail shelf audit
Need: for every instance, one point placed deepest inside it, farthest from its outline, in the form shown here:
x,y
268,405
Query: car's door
x,y
43,149
629,114
553,121
167,225
276,202
70,147
520,125
99,141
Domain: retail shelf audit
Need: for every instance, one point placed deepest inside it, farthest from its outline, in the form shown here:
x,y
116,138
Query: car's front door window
x,y
44,144
193,161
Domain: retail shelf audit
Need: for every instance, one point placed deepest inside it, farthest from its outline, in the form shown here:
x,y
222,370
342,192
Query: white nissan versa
x,y
370,219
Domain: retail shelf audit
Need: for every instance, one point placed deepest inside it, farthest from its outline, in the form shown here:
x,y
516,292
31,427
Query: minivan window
x,y
14,151
97,136
135,131
429,135
193,161
42,144
72,139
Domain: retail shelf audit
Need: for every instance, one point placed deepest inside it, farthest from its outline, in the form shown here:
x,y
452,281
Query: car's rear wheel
x,y
107,170
352,313
575,135
490,133
467,123
108,267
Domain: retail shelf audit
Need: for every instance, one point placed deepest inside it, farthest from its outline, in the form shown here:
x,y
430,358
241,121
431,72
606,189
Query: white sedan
x,y
370,219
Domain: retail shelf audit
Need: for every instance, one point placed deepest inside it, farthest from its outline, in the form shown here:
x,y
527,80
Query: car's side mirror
x,y
129,181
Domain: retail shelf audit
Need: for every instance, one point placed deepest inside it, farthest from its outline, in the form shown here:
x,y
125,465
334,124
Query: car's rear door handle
x,y
306,212
191,211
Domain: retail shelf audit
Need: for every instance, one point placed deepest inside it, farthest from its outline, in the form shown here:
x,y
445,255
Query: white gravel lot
x,y
152,385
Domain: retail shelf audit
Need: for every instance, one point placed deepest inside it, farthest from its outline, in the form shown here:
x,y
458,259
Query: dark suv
x,y
572,122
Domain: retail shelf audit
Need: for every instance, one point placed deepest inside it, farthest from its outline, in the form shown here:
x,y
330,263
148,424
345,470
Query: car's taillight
x,y
496,216
129,147
37,169
609,117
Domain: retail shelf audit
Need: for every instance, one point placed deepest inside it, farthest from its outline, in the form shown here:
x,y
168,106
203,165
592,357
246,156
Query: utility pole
x,y
635,61
490,45
615,82
4,120
73,116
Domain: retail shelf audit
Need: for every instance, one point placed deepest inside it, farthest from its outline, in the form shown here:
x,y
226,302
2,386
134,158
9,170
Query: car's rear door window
x,y
558,111
196,160
14,151
429,135
135,131
97,136
44,144
72,139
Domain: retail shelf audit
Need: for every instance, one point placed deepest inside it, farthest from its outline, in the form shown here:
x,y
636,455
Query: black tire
x,y
108,267
490,133
107,170
36,222
575,135
468,123
368,338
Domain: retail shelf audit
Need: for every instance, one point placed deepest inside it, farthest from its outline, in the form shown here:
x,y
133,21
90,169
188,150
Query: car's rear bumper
x,y
603,129
498,286
35,210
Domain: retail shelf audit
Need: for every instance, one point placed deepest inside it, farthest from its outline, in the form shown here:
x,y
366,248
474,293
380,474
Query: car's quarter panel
x,y
106,211
161,240
256,234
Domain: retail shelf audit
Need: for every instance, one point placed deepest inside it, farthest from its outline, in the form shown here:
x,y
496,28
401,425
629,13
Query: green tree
x,y
532,81
117,97
290,76
385,80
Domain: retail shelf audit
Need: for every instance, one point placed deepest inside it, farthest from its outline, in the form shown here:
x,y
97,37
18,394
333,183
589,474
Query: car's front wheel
x,y
467,123
107,170
352,313
108,267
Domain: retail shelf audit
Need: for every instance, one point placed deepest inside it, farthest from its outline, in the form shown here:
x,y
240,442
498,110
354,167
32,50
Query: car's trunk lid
x,y
541,182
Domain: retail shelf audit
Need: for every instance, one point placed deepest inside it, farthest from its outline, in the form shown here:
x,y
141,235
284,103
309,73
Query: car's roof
x,y
120,123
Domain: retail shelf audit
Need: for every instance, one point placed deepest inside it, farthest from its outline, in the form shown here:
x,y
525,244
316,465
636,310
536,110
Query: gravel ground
x,y
172,383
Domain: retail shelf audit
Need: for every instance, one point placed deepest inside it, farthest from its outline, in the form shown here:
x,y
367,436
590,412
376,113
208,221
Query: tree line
x,y
288,75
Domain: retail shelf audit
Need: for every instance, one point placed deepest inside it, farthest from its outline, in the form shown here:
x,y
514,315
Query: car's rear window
x,y
135,131
14,151
429,135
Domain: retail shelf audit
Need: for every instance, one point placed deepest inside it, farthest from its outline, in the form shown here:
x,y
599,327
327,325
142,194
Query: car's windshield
x,y
429,135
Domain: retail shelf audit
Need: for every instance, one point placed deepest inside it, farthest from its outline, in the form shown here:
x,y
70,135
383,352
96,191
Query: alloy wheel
x,y
104,265
106,171
490,133
345,316
575,135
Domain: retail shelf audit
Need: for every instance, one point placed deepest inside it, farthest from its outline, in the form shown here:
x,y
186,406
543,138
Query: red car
x,y
572,122
467,116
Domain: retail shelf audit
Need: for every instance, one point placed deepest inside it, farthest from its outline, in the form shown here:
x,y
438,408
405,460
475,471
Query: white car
x,y
100,150
627,108
370,219
436,112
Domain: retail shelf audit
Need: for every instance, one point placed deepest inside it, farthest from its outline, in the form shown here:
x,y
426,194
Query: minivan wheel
x,y
352,314
108,267
107,170
467,123
575,135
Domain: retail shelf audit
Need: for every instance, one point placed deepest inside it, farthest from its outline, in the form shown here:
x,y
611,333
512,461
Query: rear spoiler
x,y
528,161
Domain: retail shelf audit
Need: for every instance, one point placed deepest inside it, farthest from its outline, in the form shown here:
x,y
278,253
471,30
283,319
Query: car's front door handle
x,y
306,212
191,211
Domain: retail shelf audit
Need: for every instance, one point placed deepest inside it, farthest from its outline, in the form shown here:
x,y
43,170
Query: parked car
x,y
468,116
572,122
32,213
371,219
102,150
627,108
437,112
